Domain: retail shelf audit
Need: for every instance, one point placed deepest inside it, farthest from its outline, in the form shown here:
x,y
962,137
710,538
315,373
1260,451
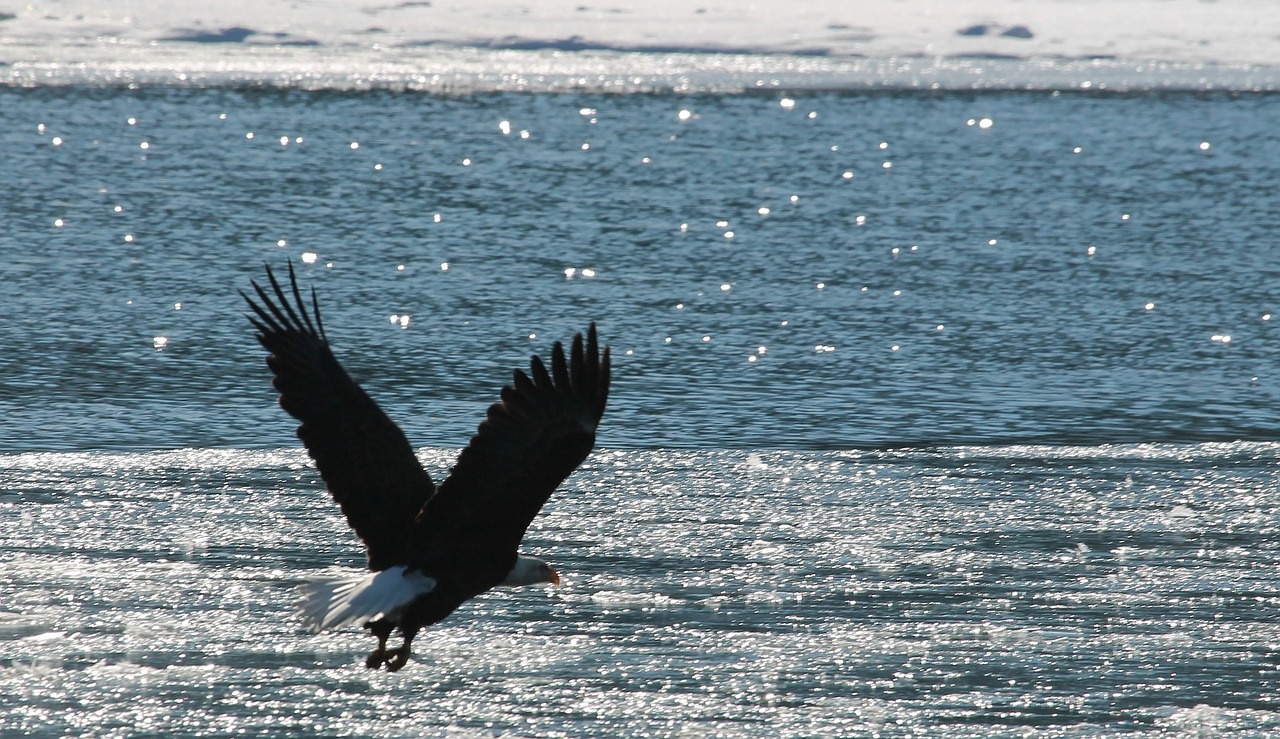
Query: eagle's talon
x,y
397,658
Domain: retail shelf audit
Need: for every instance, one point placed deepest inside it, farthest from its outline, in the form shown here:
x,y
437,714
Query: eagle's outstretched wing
x,y
364,458
538,433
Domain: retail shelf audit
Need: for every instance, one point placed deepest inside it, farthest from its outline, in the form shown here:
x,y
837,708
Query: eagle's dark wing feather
x,y
538,433
364,458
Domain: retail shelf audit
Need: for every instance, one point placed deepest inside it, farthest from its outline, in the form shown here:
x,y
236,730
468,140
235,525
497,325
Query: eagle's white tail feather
x,y
328,604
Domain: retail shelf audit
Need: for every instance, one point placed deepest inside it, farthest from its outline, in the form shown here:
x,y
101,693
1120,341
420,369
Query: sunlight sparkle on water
x,y
309,257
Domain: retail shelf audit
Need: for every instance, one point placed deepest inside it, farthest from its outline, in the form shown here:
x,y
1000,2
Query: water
x,y
967,591
976,591
978,443
1041,339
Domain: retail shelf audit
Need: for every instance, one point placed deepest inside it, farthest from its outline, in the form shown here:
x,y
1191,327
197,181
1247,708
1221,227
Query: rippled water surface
x,y
946,414
969,591
817,271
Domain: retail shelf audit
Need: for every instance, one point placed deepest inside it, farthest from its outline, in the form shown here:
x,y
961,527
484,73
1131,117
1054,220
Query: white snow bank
x,y
637,43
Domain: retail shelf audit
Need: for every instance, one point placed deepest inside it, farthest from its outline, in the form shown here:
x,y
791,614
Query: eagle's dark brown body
x,y
431,549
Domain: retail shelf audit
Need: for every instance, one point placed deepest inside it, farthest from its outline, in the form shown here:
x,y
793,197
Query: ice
x,y
650,44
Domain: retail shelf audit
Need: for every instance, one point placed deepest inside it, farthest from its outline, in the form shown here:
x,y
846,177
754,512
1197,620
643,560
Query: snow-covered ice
x,y
630,44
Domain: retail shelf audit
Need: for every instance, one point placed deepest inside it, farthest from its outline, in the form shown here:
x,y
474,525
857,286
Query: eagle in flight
x,y
429,547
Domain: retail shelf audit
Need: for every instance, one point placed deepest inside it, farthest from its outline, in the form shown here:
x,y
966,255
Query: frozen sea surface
x,y
654,45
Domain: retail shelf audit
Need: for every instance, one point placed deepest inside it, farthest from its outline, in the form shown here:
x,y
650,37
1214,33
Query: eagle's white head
x,y
530,571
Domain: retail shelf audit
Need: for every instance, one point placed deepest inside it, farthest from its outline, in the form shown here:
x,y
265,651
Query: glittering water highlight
x,y
934,413
963,591
813,271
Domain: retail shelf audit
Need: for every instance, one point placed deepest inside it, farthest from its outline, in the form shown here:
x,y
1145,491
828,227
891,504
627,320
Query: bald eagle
x,y
429,548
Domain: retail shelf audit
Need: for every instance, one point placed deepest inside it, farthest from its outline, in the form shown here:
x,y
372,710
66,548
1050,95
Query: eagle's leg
x,y
399,657
382,629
